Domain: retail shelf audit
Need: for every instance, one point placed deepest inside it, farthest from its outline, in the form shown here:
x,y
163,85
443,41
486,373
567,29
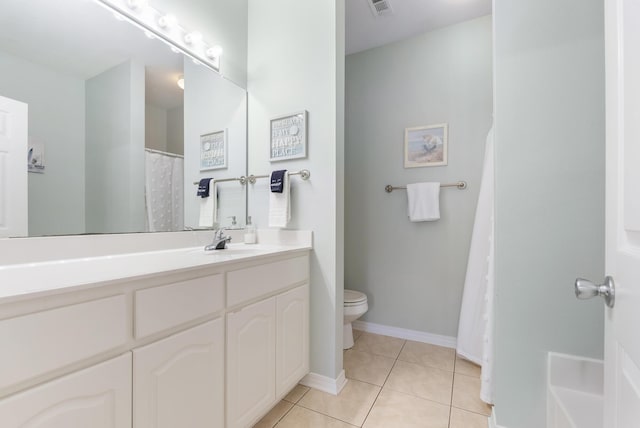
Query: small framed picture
x,y
288,137
213,150
425,146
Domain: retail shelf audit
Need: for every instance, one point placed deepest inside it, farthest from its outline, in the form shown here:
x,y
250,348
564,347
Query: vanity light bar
x,y
166,28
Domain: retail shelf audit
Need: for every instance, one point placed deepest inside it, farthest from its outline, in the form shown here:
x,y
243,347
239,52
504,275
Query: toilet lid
x,y
352,296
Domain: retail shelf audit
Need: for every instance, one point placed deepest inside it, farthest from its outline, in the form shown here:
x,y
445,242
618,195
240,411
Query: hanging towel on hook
x,y
280,204
424,201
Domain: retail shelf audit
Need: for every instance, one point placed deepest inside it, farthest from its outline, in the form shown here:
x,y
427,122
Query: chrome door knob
x,y
586,289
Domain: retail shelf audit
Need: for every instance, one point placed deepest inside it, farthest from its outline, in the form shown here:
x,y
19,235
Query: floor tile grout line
x,y
291,408
285,414
470,411
453,381
324,414
397,358
385,381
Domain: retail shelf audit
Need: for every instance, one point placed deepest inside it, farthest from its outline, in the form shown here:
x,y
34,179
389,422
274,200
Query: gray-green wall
x,y
114,162
56,119
413,273
299,65
549,111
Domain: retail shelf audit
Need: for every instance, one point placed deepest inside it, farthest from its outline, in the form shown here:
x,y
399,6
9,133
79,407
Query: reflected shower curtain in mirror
x,y
164,190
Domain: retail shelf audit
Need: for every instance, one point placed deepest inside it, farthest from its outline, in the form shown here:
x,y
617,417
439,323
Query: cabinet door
x,y
179,381
97,397
292,350
251,348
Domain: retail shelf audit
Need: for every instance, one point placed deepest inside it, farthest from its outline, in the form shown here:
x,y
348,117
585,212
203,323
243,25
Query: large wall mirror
x,y
120,141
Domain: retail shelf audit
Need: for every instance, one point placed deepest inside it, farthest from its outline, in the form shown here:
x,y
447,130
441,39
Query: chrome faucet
x,y
219,241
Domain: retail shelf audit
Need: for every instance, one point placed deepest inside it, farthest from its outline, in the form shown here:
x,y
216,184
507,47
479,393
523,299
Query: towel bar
x,y
242,179
460,185
303,173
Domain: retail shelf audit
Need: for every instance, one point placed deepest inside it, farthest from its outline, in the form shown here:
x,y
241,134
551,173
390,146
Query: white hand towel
x,y
424,201
280,206
208,207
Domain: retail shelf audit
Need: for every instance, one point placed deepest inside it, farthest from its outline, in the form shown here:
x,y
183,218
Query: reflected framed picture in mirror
x,y
213,150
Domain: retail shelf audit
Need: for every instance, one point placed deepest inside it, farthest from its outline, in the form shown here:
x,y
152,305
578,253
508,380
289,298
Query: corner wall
x,y
295,62
413,273
114,166
550,148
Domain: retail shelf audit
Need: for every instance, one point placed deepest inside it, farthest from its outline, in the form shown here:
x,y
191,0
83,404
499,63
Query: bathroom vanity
x,y
169,338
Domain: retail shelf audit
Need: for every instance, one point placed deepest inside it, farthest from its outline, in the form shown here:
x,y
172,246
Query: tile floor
x,y
392,383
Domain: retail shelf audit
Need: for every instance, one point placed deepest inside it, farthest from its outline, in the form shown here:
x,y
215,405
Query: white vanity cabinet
x,y
216,346
292,344
179,381
268,339
96,397
251,356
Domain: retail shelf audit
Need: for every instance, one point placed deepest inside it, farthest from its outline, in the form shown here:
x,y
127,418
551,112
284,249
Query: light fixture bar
x,y
166,28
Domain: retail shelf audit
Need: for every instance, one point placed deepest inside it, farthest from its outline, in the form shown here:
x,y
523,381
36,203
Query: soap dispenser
x,y
250,232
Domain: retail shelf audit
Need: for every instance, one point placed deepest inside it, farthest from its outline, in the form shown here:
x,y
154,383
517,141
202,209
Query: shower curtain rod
x,y
460,185
173,155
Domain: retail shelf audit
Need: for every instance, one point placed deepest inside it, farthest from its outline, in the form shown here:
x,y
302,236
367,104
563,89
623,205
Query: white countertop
x,y
28,280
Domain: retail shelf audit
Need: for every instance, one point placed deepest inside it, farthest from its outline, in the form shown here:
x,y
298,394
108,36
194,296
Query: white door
x,y
96,397
251,366
179,381
622,339
13,168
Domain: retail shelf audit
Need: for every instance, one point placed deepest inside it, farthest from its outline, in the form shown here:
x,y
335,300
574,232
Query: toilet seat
x,y
354,298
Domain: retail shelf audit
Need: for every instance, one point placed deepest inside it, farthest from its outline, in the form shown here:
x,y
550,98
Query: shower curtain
x,y
475,329
164,190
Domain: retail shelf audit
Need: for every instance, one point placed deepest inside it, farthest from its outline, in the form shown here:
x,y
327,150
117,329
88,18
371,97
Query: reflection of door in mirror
x,y
13,187
105,105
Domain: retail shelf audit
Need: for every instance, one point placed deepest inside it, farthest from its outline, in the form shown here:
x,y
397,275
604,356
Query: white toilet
x,y
355,305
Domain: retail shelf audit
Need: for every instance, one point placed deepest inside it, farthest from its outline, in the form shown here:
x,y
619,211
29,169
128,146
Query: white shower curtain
x,y
475,329
164,190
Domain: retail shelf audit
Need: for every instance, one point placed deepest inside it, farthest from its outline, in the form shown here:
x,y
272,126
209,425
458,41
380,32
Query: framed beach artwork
x,y
425,146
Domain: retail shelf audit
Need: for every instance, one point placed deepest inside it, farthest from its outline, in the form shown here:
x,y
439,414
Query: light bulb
x,y
137,4
214,52
181,82
167,21
193,38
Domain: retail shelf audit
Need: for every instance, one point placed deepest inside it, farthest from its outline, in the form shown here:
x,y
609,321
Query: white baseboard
x,y
493,420
403,333
324,383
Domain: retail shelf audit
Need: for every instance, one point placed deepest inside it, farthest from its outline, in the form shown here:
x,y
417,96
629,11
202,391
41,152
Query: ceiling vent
x,y
380,7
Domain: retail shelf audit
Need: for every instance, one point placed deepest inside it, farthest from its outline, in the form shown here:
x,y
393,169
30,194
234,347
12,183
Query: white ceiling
x,y
82,39
409,18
